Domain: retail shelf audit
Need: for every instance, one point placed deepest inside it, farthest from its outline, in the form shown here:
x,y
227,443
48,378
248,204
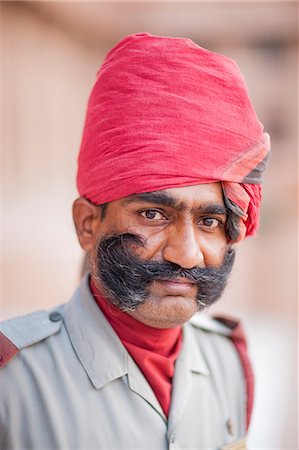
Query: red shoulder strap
x,y
7,350
239,340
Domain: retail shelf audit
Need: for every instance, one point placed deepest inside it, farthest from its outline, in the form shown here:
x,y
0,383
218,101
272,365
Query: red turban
x,y
166,113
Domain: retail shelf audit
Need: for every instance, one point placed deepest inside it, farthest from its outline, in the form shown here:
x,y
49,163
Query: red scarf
x,y
154,350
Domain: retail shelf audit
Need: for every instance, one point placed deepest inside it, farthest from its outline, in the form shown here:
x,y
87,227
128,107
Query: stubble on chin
x,y
165,312
161,310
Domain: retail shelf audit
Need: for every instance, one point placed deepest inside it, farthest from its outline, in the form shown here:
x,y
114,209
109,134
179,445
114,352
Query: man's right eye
x,y
152,214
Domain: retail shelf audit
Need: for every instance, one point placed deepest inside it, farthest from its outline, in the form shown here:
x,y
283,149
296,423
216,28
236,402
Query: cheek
x,y
154,243
214,251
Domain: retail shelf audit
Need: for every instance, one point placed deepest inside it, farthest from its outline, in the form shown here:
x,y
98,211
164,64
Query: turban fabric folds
x,y
166,113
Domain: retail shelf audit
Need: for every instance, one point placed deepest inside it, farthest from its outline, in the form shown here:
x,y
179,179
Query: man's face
x,y
183,227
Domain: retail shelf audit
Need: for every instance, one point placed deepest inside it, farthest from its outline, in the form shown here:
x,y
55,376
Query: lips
x,y
179,286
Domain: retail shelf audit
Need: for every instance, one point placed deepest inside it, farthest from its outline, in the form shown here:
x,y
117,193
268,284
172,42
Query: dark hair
x,y
234,215
103,209
125,278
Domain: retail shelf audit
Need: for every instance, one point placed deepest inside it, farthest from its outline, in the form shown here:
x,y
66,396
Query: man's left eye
x,y
152,214
210,222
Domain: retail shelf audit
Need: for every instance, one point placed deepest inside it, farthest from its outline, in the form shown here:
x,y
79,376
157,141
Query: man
x,y
169,177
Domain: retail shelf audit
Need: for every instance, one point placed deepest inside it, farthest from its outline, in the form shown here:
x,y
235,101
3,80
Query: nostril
x,y
176,267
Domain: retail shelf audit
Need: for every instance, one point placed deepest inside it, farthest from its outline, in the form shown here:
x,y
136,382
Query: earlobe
x,y
86,218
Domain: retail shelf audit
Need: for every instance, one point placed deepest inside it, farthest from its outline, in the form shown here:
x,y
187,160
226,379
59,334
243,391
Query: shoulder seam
x,y
32,328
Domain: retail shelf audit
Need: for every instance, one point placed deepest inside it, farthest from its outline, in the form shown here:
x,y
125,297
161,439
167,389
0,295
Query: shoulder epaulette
x,y
23,331
209,323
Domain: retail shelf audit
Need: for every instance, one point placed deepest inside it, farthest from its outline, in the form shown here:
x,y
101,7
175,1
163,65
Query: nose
x,y
183,247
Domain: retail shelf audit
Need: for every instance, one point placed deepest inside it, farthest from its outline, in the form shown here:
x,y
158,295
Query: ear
x,y
87,219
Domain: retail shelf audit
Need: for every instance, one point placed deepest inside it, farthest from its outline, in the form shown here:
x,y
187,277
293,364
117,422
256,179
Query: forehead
x,y
211,192
183,197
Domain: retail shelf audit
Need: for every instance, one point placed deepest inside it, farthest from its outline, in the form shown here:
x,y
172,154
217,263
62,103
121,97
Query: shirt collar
x,y
97,346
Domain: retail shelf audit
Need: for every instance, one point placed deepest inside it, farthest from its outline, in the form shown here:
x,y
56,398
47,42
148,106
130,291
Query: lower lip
x,y
172,287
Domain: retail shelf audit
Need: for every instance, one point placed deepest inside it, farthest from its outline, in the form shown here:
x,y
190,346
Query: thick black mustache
x,y
126,278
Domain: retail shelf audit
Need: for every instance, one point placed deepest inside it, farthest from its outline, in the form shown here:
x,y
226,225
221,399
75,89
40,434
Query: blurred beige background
x,y
51,53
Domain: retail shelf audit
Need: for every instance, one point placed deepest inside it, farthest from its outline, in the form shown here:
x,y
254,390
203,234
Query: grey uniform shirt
x,y
73,385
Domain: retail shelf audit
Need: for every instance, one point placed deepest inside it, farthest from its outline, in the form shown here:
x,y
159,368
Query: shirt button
x,y
55,316
230,426
172,439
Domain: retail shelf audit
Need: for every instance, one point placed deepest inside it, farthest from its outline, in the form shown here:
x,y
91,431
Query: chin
x,y
166,312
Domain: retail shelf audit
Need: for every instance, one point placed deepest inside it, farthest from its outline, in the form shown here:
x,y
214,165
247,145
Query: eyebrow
x,y
165,199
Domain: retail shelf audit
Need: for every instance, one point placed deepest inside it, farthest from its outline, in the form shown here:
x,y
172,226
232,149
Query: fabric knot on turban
x,y
166,113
